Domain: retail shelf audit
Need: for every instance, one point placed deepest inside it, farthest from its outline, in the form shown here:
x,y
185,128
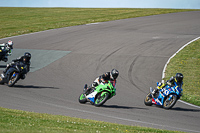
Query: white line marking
x,y
163,73
92,23
31,33
189,104
43,31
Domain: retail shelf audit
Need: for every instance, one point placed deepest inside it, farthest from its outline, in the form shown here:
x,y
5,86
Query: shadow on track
x,y
33,86
122,107
2,66
184,109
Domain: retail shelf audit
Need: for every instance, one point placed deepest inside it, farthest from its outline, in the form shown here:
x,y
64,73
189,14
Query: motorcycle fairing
x,y
91,96
162,94
156,101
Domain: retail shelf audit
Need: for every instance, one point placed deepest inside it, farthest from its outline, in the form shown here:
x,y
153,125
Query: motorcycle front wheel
x,y
101,98
13,79
82,99
148,99
170,101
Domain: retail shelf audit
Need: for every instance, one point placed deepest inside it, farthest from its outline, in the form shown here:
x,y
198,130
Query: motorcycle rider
x,y
8,48
25,60
178,79
104,78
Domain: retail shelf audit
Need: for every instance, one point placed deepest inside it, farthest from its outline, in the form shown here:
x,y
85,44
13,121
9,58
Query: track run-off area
x,y
65,59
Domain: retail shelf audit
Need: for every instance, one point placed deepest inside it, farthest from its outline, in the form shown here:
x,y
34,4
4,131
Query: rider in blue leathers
x,y
178,79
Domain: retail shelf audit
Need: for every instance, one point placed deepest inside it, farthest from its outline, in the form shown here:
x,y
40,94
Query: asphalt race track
x,y
137,47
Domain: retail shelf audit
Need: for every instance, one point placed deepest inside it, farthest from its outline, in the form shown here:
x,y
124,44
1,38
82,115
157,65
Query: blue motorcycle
x,y
166,97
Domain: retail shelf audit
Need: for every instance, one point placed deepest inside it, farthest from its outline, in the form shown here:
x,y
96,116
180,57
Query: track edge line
x,y
164,69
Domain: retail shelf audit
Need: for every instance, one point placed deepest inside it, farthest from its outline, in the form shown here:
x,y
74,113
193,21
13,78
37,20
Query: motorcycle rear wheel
x,y
13,79
1,80
82,99
168,104
101,99
148,100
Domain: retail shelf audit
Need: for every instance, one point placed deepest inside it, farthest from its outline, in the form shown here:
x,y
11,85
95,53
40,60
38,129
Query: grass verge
x,y
17,21
187,61
13,121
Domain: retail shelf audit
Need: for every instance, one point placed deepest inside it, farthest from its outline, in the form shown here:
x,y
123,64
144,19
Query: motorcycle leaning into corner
x,y
3,55
6,50
13,74
166,97
98,95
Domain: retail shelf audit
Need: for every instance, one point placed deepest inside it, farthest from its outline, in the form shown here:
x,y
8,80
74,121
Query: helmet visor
x,y
115,75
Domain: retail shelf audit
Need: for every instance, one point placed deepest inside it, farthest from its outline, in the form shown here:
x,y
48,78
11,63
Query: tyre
x,y
170,102
101,99
13,79
1,80
82,99
148,100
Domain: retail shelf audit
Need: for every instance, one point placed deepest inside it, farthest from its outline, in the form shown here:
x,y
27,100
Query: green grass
x,y
15,121
17,21
187,61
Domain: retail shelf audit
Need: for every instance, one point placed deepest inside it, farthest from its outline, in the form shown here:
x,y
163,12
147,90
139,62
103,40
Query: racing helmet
x,y
27,57
179,77
10,44
114,74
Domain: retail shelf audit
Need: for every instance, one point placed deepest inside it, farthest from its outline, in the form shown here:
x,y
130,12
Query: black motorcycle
x,y
13,74
3,54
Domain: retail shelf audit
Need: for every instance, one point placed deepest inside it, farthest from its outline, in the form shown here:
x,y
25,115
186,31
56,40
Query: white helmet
x,y
10,44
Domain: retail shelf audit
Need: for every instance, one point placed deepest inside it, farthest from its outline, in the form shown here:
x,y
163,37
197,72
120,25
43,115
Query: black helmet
x,y
114,74
27,57
179,77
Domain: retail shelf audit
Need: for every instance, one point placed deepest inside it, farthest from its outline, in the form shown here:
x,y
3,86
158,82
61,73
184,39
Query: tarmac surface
x,y
65,59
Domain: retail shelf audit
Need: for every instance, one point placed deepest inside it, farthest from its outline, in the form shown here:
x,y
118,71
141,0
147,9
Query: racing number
x,y
166,92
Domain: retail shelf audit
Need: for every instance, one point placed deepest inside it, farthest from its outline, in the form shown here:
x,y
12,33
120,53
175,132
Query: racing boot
x,y
4,73
89,90
153,91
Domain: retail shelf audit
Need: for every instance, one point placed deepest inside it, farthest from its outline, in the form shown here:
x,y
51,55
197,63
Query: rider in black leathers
x,y
25,60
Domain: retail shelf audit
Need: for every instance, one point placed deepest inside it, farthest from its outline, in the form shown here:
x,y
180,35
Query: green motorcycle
x,y
98,95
